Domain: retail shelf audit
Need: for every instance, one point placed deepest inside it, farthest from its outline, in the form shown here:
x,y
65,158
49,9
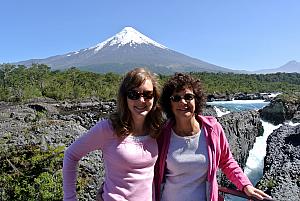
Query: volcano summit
x,y
125,50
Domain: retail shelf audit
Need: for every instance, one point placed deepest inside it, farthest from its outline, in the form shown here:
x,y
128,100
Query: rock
x,y
280,110
86,113
219,97
241,129
255,96
62,123
23,130
274,113
296,118
281,177
209,111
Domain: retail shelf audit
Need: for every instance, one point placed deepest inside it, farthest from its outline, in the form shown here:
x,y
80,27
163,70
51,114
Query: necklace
x,y
189,128
187,132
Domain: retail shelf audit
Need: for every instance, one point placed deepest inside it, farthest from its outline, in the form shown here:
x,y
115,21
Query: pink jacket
x,y
218,153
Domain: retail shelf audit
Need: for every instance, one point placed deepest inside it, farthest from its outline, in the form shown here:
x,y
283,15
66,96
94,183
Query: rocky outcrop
x,y
241,130
255,96
237,96
48,125
86,113
281,177
280,110
39,128
209,111
219,97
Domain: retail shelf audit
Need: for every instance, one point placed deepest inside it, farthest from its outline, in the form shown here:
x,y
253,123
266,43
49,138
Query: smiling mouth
x,y
140,107
184,109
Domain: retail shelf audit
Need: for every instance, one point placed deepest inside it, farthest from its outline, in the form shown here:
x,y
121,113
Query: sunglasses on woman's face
x,y
186,97
135,95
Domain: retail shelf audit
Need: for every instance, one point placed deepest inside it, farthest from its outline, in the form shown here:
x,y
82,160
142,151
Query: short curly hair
x,y
177,83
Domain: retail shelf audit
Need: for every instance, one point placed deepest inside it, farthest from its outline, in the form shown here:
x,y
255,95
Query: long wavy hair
x,y
121,119
177,83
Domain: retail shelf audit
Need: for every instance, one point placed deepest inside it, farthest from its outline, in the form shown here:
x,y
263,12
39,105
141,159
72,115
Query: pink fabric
x,y
129,163
218,153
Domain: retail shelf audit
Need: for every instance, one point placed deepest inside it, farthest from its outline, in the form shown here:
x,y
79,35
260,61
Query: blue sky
x,y
236,34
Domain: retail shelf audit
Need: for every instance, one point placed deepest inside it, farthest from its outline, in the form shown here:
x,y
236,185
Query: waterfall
x,y
255,162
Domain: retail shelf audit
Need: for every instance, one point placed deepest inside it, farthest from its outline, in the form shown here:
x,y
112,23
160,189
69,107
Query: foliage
x,y
31,169
19,83
29,173
292,98
249,83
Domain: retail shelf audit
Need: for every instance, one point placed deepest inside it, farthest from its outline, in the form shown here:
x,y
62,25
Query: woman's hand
x,y
254,192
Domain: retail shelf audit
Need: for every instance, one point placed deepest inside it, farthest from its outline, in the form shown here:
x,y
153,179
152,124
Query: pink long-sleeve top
x,y
129,163
219,155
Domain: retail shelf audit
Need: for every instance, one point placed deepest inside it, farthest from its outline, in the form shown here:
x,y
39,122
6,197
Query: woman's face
x,y
183,104
140,100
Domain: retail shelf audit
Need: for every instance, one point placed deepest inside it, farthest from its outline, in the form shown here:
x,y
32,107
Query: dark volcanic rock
x,y
219,97
209,111
34,125
241,130
280,110
85,113
60,123
282,164
274,113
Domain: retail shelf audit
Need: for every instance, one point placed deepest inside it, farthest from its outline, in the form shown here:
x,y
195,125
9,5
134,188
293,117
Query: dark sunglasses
x,y
186,97
135,95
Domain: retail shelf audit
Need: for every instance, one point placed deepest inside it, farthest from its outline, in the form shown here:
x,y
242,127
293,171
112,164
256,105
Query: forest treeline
x,y
19,83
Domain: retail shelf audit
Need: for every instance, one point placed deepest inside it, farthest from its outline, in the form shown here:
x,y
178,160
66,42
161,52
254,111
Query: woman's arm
x,y
90,141
235,173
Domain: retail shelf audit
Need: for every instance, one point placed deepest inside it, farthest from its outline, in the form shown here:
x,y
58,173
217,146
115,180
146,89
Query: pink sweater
x,y
218,153
129,163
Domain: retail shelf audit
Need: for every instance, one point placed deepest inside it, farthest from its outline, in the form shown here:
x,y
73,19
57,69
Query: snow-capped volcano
x,y
128,36
125,50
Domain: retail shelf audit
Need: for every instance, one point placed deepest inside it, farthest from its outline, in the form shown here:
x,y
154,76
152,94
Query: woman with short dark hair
x,y
192,147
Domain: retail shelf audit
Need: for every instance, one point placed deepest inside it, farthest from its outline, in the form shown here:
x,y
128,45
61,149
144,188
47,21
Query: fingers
x,y
261,194
255,193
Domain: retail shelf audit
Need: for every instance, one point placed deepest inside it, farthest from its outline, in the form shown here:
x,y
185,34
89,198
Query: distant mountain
x,y
290,67
125,50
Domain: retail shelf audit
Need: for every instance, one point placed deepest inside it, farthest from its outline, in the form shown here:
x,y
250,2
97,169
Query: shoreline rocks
x,y
281,177
281,110
241,129
238,96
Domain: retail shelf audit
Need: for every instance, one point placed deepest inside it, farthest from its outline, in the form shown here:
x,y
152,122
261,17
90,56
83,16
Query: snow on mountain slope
x,y
127,49
127,36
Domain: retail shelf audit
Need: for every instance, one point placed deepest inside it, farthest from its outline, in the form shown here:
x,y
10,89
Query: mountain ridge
x,y
128,48
290,67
